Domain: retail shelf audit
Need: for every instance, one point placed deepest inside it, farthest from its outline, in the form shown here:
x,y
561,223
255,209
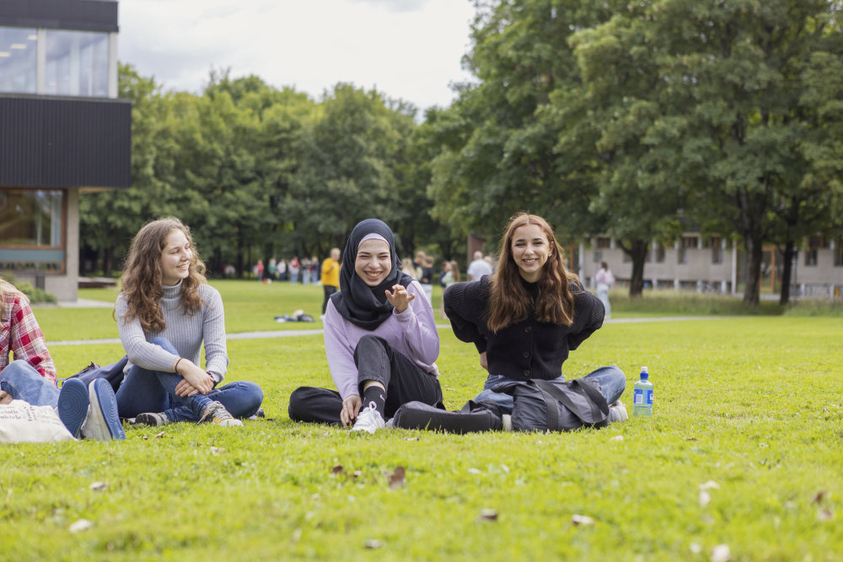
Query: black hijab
x,y
357,302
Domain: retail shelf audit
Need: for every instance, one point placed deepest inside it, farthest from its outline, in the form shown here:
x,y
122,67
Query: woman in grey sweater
x,y
166,310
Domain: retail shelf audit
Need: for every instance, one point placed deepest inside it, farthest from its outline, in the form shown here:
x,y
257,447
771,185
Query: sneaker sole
x,y
73,405
103,422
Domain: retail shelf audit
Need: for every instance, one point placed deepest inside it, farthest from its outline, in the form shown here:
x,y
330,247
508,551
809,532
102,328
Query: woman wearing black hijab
x,y
380,339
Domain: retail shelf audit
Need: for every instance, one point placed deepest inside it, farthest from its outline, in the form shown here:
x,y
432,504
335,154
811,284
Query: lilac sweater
x,y
411,333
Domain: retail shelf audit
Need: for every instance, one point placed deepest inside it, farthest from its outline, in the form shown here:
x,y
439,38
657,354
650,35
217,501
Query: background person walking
x,y
604,280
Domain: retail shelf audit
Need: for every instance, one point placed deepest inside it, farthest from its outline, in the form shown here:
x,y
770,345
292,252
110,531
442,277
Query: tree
x,y
623,108
349,168
736,71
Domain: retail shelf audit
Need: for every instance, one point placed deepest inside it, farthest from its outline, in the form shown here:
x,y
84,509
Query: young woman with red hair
x,y
526,317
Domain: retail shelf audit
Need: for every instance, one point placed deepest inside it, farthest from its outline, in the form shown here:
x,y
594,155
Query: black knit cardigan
x,y
526,350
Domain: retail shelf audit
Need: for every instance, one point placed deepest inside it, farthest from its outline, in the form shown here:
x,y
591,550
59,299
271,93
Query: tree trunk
x,y
239,265
638,253
787,271
107,260
754,257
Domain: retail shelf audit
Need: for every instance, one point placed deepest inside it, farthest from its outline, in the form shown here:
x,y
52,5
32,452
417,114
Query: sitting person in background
x,y
165,312
88,411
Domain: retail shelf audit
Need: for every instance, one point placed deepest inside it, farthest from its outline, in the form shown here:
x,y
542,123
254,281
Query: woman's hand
x,y
483,362
399,297
194,378
350,409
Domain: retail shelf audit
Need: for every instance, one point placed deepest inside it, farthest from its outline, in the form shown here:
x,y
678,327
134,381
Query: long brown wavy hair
x,y
142,281
509,302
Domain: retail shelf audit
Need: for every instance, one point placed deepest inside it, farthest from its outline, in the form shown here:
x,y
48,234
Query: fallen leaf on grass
x,y
98,486
81,525
411,439
690,439
825,515
709,485
578,520
819,496
144,437
396,479
372,543
338,469
160,435
487,515
705,498
617,438
217,450
721,553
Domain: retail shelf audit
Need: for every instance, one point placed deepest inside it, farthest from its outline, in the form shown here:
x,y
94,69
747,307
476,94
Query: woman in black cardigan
x,y
527,316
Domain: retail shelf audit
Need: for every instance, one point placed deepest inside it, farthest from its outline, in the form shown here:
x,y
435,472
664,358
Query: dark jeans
x,y
329,290
155,391
403,380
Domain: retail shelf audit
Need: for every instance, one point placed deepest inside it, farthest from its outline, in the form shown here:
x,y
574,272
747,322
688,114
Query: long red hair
x,y
142,281
509,302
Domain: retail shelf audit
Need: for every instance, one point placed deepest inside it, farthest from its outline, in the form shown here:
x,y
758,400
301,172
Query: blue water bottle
x,y
642,396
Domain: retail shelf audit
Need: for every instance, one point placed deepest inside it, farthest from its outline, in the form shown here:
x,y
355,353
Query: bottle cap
x,y
645,374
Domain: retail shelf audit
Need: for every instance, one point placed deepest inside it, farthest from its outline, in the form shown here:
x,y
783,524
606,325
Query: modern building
x,y
715,264
62,131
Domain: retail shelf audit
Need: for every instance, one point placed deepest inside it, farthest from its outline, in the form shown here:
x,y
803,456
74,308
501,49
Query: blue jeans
x,y
23,382
612,384
155,391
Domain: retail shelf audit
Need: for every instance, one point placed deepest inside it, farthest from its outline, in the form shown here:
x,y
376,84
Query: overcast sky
x,y
408,49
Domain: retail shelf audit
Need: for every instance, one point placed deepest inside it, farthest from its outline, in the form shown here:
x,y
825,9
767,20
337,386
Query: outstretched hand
x,y
399,297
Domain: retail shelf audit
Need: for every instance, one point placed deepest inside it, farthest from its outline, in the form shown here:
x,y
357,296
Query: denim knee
x,y
165,344
253,395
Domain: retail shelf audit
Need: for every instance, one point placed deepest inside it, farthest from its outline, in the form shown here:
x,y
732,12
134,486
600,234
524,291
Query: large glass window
x,y
30,218
18,60
77,63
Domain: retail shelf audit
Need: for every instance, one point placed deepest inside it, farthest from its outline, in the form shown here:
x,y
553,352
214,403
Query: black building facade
x,y
62,131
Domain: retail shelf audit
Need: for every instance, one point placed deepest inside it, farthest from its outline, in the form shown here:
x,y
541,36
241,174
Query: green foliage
x,y
672,303
645,120
747,403
260,172
34,294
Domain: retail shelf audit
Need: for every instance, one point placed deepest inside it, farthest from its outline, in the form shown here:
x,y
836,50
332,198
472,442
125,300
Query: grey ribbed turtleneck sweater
x,y
185,332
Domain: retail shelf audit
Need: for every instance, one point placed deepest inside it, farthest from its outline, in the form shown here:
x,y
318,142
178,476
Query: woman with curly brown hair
x,y
165,312
527,316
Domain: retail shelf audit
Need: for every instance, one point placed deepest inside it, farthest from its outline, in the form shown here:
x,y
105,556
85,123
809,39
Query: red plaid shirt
x,y
20,334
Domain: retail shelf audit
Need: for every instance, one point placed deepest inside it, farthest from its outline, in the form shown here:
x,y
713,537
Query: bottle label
x,y
642,397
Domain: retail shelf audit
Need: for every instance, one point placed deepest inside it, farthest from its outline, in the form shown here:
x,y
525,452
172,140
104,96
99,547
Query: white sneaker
x,y
369,420
617,412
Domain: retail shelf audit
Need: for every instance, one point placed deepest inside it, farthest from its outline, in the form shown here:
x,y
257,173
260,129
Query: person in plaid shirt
x,y
89,411
20,334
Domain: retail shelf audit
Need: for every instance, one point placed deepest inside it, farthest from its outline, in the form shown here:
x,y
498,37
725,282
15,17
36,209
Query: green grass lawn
x,y
752,404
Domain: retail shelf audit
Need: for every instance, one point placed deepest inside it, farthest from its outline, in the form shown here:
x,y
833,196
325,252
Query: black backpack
x,y
112,373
